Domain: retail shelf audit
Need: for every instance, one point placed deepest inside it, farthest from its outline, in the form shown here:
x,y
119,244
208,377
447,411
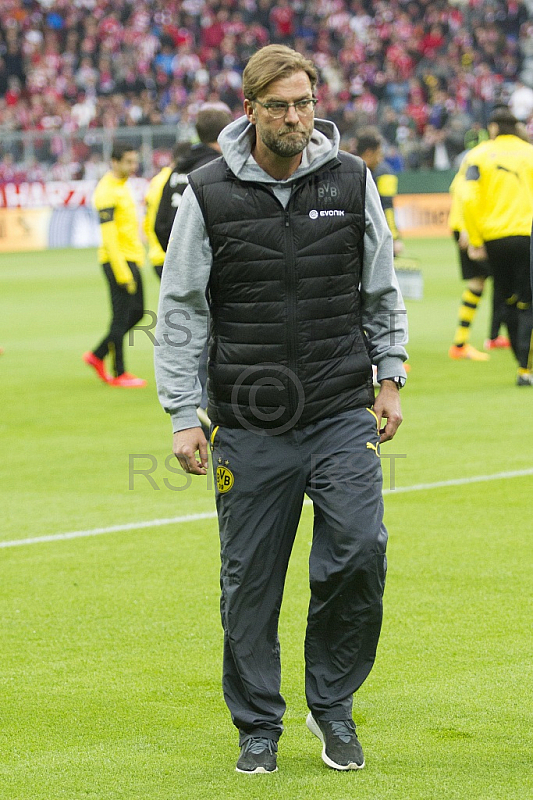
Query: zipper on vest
x,y
291,313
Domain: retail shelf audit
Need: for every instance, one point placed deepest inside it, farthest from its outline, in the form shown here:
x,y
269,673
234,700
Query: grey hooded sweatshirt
x,y
181,329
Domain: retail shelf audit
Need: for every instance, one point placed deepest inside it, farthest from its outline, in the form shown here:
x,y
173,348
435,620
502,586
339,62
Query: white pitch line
x,y
128,526
419,487
154,523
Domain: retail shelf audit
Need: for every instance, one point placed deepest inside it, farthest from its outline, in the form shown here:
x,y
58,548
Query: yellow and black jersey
x,y
152,198
498,190
387,185
119,226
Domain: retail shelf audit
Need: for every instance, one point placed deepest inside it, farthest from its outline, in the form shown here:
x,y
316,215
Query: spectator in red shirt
x,y
282,18
433,41
14,91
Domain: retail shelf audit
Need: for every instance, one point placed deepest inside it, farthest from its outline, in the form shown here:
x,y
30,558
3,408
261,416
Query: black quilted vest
x,y
286,346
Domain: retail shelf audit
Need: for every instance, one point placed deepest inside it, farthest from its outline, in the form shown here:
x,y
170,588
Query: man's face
x,y
289,135
128,164
373,158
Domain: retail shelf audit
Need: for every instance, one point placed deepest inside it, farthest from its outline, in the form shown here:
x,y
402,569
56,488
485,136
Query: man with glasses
x,y
284,242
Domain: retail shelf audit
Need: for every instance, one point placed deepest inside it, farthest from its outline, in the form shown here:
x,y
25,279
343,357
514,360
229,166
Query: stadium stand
x,y
424,71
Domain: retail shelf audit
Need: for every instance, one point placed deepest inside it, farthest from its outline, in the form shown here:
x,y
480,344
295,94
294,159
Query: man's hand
x,y
463,240
387,406
477,253
397,247
185,446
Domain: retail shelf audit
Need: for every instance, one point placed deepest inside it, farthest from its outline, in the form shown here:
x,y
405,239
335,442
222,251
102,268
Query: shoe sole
x,y
313,727
469,358
128,385
256,771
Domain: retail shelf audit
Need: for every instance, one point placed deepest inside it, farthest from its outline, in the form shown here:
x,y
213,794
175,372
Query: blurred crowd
x,y
426,72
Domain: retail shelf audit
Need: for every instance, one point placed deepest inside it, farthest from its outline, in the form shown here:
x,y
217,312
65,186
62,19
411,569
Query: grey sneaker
x,y
524,380
258,755
341,748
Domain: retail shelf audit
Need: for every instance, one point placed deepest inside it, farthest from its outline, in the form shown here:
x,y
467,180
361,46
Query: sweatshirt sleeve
x,y
383,310
181,330
472,203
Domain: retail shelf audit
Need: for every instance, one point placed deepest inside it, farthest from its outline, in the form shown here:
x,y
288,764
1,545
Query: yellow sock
x,y
467,312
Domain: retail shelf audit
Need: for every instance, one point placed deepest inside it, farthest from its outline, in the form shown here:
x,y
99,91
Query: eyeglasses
x,y
277,109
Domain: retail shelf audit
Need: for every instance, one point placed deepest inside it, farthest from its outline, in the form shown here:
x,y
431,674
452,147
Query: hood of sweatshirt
x,y
198,154
238,138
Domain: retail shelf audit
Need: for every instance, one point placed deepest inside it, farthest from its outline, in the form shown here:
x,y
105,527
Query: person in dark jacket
x,y
284,243
211,120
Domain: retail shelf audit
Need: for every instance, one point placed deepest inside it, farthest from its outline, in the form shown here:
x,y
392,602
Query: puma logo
x,y
370,446
510,171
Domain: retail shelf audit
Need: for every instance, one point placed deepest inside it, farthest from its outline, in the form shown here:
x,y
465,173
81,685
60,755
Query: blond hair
x,y
271,63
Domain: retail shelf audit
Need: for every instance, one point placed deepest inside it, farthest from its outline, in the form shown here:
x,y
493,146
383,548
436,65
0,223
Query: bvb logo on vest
x,y
225,479
327,193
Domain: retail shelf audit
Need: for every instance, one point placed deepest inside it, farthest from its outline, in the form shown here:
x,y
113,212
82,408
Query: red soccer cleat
x,y
499,343
128,381
98,365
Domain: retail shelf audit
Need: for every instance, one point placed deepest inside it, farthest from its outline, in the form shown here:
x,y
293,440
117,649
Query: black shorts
x,y
471,269
509,260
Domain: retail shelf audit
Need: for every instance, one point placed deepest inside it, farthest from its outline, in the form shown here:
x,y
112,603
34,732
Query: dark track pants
x,y
261,483
126,311
509,262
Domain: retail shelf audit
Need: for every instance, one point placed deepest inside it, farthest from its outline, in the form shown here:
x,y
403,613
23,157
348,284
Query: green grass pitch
x,y
110,653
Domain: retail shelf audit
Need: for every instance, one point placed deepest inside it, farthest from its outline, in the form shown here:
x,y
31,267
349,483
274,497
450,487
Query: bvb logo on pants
x,y
225,479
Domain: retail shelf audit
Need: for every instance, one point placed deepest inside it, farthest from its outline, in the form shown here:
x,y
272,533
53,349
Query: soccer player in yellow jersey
x,y
156,254
152,198
498,211
121,256
475,273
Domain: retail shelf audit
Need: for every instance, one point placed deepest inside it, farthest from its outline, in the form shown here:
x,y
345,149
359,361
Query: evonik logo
x,y
314,214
